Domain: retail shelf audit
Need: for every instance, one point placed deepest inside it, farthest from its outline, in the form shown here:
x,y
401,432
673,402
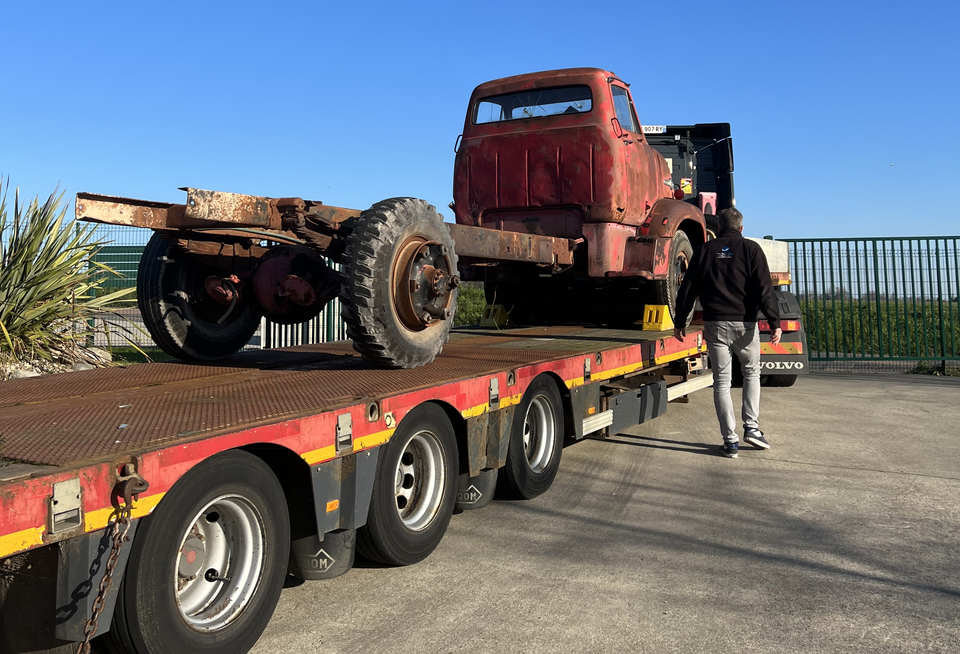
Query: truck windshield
x,y
533,104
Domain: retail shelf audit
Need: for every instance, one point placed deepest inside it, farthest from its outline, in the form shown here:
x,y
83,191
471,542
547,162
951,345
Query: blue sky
x,y
350,103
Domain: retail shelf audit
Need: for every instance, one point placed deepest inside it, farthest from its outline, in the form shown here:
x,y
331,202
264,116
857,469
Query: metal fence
x,y
122,250
879,299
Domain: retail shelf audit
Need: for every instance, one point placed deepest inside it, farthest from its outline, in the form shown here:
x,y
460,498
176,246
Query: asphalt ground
x,y
844,537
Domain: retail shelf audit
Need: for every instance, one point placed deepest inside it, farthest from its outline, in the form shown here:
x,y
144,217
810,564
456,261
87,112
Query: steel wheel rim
x,y
539,431
417,307
421,478
220,563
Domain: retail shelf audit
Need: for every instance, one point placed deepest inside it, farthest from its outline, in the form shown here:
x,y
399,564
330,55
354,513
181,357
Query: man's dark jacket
x,y
731,277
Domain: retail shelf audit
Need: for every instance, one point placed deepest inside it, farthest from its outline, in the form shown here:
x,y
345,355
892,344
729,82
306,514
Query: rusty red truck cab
x,y
562,154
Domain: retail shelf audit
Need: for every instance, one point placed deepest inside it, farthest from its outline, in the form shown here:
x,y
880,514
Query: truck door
x,y
640,165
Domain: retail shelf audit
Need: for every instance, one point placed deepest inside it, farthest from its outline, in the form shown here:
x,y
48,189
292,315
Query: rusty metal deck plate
x,y
82,417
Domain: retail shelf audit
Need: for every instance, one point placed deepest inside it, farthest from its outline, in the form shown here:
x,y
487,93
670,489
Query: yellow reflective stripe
x,y
329,452
92,521
318,456
371,440
19,541
475,411
101,518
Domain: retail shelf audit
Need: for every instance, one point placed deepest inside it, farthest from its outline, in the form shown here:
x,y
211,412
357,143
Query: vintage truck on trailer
x,y
554,186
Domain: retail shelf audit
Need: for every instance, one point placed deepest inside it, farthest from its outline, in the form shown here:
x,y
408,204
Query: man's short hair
x,y
730,218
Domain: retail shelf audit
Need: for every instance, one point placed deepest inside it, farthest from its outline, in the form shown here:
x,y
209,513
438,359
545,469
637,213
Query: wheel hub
x,y
219,564
423,283
538,434
420,481
191,557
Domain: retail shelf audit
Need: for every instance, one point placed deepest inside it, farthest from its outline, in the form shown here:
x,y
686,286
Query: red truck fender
x,y
669,215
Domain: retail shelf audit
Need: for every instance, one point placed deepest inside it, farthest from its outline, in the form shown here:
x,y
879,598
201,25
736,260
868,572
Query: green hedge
x,y
903,328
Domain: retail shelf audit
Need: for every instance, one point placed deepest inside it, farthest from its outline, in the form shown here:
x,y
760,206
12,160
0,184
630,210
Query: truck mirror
x,y
617,129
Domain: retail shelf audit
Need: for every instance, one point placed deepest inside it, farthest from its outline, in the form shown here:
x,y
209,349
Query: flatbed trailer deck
x,y
317,415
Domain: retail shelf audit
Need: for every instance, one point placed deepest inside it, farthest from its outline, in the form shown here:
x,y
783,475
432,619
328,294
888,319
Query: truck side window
x,y
621,104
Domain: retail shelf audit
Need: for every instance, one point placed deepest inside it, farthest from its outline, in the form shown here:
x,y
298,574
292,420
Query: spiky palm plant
x,y
49,282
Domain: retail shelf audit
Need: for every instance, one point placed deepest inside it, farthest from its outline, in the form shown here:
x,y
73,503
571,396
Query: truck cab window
x,y
533,104
624,109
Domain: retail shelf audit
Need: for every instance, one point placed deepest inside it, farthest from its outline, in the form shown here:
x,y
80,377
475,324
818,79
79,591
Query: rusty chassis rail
x,y
233,215
206,210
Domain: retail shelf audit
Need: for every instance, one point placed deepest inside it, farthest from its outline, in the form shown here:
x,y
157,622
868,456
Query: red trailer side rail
x,y
320,404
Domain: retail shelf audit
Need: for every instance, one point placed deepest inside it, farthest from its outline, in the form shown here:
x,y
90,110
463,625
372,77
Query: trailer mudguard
x,y
80,569
342,489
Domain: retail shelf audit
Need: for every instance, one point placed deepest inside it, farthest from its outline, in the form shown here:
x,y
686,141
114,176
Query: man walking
x,y
731,277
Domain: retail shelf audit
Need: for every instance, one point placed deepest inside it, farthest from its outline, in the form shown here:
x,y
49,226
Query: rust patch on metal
x,y
497,245
220,207
128,211
477,443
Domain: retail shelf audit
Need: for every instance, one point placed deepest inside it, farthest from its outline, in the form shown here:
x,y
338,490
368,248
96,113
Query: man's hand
x,y
679,333
775,337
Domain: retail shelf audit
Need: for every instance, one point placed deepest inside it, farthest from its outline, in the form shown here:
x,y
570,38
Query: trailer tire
x,y
778,381
414,490
232,510
536,442
386,291
665,291
179,314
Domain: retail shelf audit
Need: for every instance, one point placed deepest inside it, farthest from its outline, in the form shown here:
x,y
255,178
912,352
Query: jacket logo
x,y
724,253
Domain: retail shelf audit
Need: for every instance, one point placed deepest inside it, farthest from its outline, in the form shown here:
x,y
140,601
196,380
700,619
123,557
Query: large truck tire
x,y
207,567
712,224
414,490
536,442
399,290
665,291
184,321
778,381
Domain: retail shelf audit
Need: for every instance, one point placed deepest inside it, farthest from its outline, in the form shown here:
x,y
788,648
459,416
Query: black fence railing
x,y
863,299
867,299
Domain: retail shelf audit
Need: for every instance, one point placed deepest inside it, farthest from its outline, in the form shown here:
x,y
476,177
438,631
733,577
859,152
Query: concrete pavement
x,y
843,537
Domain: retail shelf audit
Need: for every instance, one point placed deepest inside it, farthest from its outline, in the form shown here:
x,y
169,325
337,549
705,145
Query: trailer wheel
x,y
536,442
207,567
665,291
414,491
184,321
781,381
400,276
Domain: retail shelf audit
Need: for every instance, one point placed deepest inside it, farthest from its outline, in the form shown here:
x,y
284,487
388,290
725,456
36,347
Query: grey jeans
x,y
725,339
